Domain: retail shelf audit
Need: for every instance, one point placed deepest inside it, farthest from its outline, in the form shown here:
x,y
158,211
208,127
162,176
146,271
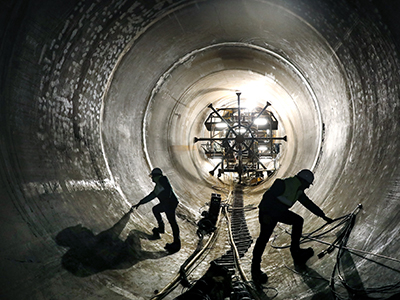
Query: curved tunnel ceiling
x,y
96,94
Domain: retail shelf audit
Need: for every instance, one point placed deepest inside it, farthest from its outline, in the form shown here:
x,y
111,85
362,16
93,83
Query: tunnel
x,y
95,94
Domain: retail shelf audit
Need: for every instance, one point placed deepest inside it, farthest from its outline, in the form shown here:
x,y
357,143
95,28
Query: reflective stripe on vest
x,y
292,192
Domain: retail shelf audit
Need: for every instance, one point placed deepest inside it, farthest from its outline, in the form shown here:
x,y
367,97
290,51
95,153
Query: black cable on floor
x,y
340,243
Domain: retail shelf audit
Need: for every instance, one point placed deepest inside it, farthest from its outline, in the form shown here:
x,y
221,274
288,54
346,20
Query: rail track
x,y
239,234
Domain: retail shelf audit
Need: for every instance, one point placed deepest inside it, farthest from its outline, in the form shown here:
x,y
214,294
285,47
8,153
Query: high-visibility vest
x,y
292,192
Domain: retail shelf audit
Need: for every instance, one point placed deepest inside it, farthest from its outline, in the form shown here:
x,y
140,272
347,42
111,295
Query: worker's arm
x,y
146,199
311,206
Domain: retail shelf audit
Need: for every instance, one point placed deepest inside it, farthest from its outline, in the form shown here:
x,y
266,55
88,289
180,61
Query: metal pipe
x,y
196,139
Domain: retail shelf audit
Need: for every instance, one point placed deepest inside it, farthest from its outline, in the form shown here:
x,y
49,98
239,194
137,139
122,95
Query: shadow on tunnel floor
x,y
317,284
348,285
90,254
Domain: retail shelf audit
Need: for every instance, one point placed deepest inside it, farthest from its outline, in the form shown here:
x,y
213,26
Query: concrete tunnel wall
x,y
96,94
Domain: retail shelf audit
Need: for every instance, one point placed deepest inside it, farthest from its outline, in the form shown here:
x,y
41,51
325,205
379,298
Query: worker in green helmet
x,y
274,208
168,204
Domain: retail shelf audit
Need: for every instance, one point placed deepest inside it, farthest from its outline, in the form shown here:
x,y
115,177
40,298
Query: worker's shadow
x,y
352,282
315,282
90,254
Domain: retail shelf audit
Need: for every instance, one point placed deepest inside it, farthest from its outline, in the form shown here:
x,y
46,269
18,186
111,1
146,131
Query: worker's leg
x,y
176,244
297,222
300,256
157,210
267,225
171,216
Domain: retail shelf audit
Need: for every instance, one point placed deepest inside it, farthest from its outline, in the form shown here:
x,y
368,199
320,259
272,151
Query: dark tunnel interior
x,y
94,94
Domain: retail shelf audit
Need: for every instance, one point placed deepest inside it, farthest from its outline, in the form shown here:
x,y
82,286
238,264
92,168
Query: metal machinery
x,y
240,139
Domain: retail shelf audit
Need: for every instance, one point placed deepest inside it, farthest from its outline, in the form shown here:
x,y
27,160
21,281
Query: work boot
x,y
158,230
173,247
161,228
300,256
259,277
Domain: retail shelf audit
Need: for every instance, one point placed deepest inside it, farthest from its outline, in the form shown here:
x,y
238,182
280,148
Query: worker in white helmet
x,y
168,204
274,208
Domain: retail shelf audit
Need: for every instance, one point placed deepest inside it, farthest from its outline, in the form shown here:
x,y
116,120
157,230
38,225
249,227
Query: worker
x,y
274,208
168,204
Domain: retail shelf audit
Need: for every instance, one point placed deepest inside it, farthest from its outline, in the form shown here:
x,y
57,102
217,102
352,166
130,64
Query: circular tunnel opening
x,y
213,75
198,76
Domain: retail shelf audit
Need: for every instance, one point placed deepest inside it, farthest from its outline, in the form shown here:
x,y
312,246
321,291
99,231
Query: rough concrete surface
x,y
94,94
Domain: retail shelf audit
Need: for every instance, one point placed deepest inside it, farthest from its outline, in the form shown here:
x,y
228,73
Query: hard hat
x,y
155,172
306,175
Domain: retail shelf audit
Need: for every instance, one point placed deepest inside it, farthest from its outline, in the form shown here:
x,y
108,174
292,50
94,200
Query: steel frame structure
x,y
239,140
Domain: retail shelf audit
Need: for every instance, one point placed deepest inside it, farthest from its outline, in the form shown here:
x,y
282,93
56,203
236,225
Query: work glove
x,y
135,206
327,220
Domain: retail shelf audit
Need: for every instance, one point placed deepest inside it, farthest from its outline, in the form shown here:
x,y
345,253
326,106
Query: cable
x,y
347,222
352,291
185,267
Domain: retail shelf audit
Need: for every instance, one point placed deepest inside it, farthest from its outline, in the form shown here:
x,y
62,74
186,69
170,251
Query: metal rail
x,y
241,238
